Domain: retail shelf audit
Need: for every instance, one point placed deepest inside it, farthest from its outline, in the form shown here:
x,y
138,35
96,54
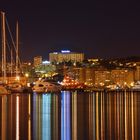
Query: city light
x,y
17,78
65,51
26,75
46,62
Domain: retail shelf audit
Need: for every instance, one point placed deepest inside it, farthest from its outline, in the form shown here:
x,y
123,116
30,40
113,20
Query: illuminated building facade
x,y
116,76
104,76
80,74
37,60
65,56
122,76
137,73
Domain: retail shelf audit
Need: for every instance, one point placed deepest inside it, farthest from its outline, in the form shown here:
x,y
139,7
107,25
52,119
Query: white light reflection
x,y
74,116
102,117
118,114
97,116
94,116
126,115
4,117
132,115
17,117
29,119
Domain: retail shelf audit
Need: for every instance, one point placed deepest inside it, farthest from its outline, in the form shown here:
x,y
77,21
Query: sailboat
x,y
17,86
13,83
3,89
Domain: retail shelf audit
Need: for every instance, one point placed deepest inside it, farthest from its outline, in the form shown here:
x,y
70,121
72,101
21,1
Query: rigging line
x,y
8,56
10,34
9,50
12,38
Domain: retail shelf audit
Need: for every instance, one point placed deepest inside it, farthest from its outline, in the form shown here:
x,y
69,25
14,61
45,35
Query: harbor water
x,y
70,115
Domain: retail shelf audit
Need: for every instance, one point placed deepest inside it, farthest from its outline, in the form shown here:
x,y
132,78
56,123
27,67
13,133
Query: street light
x,y
26,75
17,78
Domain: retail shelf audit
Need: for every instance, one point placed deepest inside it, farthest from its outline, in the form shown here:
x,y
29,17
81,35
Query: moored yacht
x,y
17,87
4,90
136,86
45,85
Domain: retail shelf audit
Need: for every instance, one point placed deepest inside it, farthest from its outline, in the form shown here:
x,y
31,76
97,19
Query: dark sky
x,y
97,28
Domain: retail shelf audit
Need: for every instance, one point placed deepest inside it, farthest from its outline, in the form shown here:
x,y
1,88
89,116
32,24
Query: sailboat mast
x,y
3,47
17,49
11,62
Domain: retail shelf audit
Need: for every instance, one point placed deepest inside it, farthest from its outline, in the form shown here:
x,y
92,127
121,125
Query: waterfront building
x,y
122,76
137,73
90,76
102,77
80,74
85,75
37,60
116,76
66,56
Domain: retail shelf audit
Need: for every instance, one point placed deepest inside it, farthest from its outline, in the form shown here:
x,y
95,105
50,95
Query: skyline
x,y
97,29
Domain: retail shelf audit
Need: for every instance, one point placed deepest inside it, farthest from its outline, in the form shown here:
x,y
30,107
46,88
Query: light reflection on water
x,y
70,116
65,116
17,118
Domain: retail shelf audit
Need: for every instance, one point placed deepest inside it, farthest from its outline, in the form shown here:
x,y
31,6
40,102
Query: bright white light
x,y
65,51
17,78
26,74
132,84
55,53
39,79
46,62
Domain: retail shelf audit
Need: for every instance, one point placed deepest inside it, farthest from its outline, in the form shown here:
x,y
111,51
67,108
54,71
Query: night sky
x,y
98,28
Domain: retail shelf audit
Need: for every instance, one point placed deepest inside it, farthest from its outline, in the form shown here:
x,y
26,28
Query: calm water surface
x,y
70,116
